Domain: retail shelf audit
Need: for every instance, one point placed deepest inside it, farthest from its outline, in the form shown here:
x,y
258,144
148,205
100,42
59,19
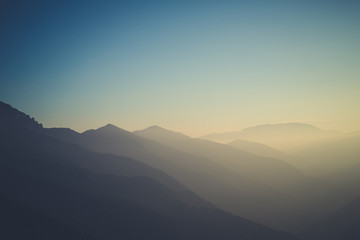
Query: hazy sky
x,y
192,66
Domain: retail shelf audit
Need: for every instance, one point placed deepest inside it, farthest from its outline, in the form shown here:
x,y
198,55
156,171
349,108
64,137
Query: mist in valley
x,y
183,120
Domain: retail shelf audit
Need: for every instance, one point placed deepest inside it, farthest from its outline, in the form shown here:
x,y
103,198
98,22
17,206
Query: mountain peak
x,y
109,125
11,117
155,128
108,129
160,133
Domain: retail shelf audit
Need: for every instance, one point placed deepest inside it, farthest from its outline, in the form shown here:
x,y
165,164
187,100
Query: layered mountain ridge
x,y
102,196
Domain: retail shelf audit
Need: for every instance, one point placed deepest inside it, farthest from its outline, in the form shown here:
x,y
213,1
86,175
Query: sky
x,y
192,66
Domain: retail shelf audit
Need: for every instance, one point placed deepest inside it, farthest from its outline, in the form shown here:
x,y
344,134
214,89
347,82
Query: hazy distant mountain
x,y
258,149
246,164
76,193
285,136
209,179
302,194
343,224
161,134
336,160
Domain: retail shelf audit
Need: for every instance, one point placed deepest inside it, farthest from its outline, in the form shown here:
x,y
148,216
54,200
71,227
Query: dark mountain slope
x,y
11,117
343,224
52,178
18,221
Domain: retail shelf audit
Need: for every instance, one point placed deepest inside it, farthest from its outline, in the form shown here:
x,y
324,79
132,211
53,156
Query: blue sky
x,y
193,66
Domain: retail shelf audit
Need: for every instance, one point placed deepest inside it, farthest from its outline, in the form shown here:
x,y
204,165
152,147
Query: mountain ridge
x,y
72,185
283,136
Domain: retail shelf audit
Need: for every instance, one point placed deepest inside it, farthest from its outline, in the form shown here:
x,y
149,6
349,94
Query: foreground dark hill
x,y
343,224
18,221
76,195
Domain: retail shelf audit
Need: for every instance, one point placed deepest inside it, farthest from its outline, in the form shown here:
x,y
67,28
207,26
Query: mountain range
x,y
110,183
285,137
266,190
335,160
53,189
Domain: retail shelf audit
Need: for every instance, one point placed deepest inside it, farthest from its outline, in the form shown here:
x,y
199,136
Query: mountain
x,y
339,191
78,194
211,180
286,137
258,149
343,224
19,221
335,160
11,117
265,190
248,165
109,165
303,195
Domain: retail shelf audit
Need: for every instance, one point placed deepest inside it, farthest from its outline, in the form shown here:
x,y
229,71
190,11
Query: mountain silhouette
x,y
246,164
77,194
12,118
207,178
285,137
251,186
305,195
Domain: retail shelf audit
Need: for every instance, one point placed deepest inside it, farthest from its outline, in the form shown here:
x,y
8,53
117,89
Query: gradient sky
x,y
191,66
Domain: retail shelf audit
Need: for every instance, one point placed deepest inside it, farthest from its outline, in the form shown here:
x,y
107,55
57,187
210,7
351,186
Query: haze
x,y
216,120
196,67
